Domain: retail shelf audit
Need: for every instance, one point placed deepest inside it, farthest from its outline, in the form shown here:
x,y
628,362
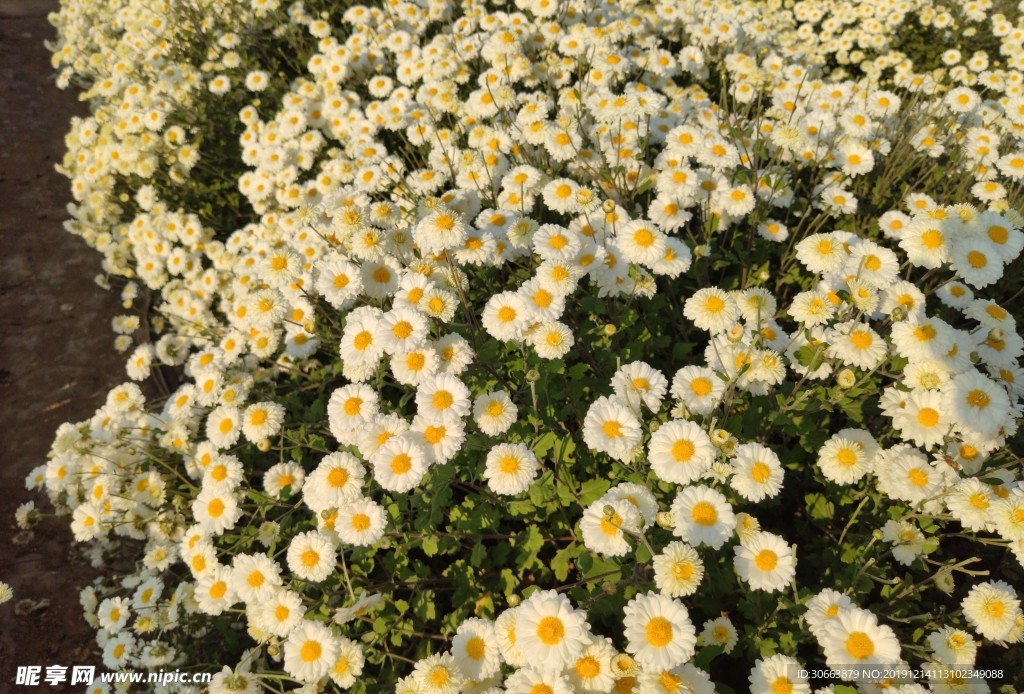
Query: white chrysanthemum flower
x,y
658,631
216,510
924,419
505,632
310,652
337,479
311,556
992,608
847,456
552,340
550,633
591,671
779,673
856,344
680,451
825,607
349,664
756,472
637,382
855,638
262,420
678,570
223,426
606,525
906,538
281,612
283,475
349,409
510,468
766,562
439,231
255,577
976,403
361,522
528,680
703,516
400,464
494,412
699,389
475,649
438,674
611,427
712,309
720,632
952,646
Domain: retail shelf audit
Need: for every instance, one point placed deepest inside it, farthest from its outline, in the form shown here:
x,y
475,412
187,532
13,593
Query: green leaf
x,y
592,490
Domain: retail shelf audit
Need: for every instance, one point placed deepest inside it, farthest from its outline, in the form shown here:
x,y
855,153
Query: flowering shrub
x,y
650,346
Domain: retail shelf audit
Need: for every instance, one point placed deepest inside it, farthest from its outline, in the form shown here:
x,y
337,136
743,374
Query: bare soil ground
x,y
56,347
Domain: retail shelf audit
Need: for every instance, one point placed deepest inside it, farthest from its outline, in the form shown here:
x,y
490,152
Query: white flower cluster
x,y
436,184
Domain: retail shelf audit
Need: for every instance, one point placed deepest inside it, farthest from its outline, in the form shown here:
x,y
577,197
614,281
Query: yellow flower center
x,y
658,632
550,630
704,513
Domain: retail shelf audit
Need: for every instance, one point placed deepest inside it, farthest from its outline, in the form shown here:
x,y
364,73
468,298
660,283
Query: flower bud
x,y
846,378
513,600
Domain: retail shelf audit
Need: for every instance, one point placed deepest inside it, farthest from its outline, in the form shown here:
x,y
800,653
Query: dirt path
x,y
56,347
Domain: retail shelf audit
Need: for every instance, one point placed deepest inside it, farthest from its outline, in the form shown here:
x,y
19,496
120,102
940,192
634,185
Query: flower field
x,y
553,346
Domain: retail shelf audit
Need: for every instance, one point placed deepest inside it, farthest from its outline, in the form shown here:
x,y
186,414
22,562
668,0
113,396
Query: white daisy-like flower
x,y
953,646
824,607
658,631
703,516
337,479
224,426
992,609
311,556
494,412
510,468
680,451
505,632
606,525
550,633
855,638
438,674
757,472
611,427
637,382
678,570
255,577
720,632
216,510
765,561
281,612
856,344
400,464
262,420
310,652
698,388
361,522
977,403
712,309
475,649
591,672
847,456
779,673
349,664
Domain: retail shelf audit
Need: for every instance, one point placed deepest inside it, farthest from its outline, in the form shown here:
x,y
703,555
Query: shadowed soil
x,y
56,348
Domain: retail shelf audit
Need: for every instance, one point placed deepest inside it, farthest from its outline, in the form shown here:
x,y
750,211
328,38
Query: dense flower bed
x,y
552,346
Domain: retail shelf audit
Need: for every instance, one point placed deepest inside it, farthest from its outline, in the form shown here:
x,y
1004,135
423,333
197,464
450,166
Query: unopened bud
x,y
533,375
665,519
608,206
513,600
263,445
846,378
